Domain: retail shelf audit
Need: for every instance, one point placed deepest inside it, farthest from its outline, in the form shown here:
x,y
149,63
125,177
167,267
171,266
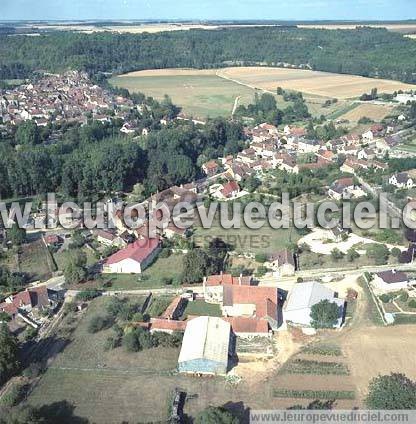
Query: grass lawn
x,y
199,307
36,261
151,278
244,239
61,258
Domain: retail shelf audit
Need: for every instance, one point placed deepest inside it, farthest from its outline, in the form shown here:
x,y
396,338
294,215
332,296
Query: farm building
x,y
134,258
205,346
302,297
214,285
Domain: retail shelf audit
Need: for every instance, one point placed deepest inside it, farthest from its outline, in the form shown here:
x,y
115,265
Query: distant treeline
x,y
370,52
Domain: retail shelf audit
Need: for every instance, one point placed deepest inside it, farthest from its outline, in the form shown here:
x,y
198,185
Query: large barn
x,y
205,346
302,297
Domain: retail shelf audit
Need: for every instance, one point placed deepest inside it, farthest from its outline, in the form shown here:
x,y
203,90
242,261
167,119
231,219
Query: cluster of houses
x,y
291,150
247,311
70,96
31,305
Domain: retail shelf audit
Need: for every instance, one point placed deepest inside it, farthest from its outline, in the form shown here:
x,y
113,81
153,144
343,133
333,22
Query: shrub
x,y
385,298
394,391
261,258
111,343
167,281
165,253
99,322
87,295
404,296
412,303
33,370
261,271
14,395
130,342
395,252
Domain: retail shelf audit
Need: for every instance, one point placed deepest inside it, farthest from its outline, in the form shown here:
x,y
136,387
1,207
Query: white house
x,y
134,258
308,146
390,280
298,306
402,180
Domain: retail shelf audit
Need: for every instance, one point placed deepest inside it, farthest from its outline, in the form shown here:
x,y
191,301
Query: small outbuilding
x,y
205,346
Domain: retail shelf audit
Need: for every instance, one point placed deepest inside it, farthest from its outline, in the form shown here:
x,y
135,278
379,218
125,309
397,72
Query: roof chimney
x,y
393,271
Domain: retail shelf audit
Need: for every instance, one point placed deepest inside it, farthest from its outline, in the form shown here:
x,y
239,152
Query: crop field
x,y
313,82
403,28
200,93
372,111
211,93
380,343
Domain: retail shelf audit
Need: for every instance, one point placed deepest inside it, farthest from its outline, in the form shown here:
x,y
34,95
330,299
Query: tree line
x,y
370,52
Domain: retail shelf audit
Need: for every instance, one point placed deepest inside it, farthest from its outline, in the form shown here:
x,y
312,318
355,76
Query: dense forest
x,y
365,51
93,159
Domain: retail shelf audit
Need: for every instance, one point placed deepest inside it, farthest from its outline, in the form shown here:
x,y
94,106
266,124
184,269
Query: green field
x,y
205,94
201,96
244,239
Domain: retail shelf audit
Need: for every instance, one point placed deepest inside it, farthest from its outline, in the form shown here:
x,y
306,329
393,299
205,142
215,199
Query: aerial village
x,y
249,304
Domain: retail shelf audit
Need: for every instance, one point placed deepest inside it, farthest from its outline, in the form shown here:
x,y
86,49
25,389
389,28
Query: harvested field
x,y
388,348
210,93
372,111
404,28
313,82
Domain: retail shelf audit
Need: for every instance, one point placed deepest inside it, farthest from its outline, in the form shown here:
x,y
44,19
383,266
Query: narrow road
x,y
235,105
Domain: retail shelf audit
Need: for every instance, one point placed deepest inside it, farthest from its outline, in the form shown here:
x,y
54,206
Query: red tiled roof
x,y
8,308
345,182
168,324
229,188
211,165
171,309
248,324
227,280
52,238
137,251
22,299
259,296
39,296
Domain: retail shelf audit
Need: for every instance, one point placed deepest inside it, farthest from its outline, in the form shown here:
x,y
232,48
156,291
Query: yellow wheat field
x,y
313,82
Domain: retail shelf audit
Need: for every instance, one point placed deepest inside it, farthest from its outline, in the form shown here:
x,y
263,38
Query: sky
x,y
208,9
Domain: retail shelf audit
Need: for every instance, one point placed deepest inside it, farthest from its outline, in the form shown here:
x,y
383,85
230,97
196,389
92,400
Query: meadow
x,y
200,93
